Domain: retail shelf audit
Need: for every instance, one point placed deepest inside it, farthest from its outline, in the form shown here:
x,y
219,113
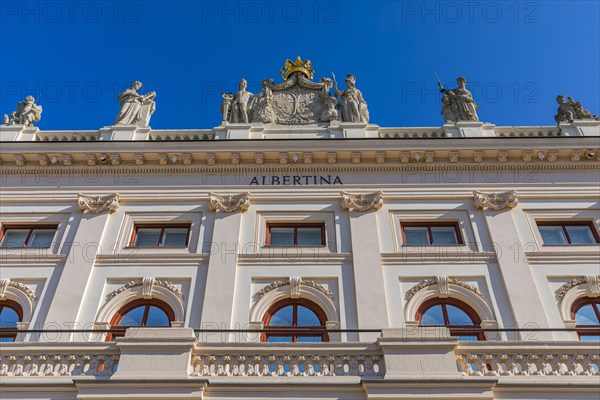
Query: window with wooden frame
x,y
141,313
160,235
11,314
586,313
431,233
295,234
27,236
452,314
568,233
295,320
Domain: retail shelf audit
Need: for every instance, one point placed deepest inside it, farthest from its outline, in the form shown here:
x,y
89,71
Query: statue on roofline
x,y
27,113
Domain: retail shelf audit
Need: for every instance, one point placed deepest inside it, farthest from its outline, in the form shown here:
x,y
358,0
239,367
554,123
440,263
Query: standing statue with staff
x,y
352,104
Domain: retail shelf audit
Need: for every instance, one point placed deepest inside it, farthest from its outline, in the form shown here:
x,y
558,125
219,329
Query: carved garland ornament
x,y
229,203
98,204
147,284
295,284
443,282
5,283
592,281
495,201
362,202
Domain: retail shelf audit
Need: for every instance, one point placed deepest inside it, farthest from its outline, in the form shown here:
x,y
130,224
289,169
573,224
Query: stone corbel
x,y
229,203
98,204
362,202
495,201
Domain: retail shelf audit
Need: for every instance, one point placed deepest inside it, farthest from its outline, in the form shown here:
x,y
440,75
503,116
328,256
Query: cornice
x,y
564,257
441,257
305,257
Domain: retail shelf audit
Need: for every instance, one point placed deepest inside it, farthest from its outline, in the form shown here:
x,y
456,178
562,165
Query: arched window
x,y
294,320
141,313
453,314
586,312
10,314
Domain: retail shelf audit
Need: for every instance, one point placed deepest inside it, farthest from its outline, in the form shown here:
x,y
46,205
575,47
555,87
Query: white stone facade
x,y
362,182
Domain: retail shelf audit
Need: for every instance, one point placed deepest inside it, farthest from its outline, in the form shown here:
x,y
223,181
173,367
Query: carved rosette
x,y
362,202
495,201
443,282
592,281
98,204
6,283
147,284
229,203
294,283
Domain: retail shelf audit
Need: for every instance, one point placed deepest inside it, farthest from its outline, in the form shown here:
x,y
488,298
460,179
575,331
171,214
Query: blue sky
x,y
516,56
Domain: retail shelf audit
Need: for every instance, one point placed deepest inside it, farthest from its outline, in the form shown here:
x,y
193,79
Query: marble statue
x,y
566,110
239,104
330,103
262,104
136,109
580,112
458,104
27,113
353,105
226,105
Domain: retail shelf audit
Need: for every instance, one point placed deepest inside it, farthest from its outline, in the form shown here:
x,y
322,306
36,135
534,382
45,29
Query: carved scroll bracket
x,y
229,203
362,202
495,201
98,204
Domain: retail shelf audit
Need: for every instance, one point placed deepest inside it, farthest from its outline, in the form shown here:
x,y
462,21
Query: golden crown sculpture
x,y
290,67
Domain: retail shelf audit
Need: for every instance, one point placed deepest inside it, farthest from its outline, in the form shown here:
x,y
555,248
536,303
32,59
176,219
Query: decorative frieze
x,y
148,284
295,283
229,203
98,204
495,201
6,283
443,282
362,202
592,281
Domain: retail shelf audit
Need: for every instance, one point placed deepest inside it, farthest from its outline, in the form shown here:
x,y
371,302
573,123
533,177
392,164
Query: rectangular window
x,y
568,233
160,235
34,236
431,233
284,234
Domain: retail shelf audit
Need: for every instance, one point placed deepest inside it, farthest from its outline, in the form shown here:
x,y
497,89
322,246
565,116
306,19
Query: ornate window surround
x,y
442,288
294,288
134,217
573,290
21,294
145,288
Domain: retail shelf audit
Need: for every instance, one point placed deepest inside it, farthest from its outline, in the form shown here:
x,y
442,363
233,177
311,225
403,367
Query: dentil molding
x,y
362,202
98,204
495,201
229,203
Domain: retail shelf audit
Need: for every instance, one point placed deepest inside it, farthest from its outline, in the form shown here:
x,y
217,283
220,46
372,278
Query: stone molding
x,y
147,285
593,283
362,202
294,283
97,204
495,201
6,283
443,282
229,203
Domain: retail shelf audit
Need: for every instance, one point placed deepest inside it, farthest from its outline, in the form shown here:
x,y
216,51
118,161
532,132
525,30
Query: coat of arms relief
x,y
297,100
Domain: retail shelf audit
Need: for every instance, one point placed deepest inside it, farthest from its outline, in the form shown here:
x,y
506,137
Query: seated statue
x,y
26,114
262,109
566,111
580,112
136,109
458,104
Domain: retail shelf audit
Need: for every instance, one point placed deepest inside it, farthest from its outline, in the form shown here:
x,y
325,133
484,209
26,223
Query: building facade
x,y
300,252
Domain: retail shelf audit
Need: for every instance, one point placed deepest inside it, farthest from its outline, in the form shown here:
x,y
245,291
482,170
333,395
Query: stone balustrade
x,y
286,361
528,359
63,360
